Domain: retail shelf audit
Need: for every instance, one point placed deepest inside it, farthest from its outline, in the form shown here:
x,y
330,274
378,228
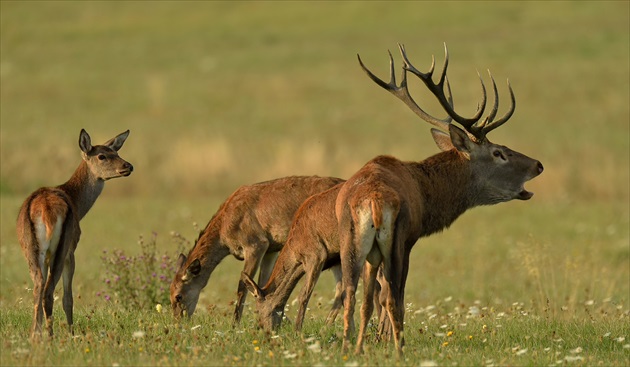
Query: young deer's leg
x,y
339,295
56,270
266,267
370,269
252,262
313,270
39,280
68,273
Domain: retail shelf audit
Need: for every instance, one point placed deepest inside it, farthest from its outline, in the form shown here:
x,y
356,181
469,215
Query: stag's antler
x,y
474,125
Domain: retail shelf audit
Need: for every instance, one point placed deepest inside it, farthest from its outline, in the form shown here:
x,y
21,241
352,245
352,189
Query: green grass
x,y
220,94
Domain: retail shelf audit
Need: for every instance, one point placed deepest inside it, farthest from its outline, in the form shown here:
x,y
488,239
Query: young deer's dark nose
x,y
540,167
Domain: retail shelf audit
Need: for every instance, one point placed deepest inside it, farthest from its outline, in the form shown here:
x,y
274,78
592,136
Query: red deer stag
x,y
48,224
312,246
386,206
252,225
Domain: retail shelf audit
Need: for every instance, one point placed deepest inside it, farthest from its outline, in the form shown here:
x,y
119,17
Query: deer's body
x,y
251,225
48,224
312,246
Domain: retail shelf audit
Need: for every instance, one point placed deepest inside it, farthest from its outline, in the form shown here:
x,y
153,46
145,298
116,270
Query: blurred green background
x,y
221,94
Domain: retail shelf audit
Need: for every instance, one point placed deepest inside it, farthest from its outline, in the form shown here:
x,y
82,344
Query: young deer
x,y
312,246
48,224
251,225
386,206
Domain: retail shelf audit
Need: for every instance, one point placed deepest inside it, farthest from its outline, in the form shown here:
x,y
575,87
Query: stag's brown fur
x,y
386,206
251,225
48,225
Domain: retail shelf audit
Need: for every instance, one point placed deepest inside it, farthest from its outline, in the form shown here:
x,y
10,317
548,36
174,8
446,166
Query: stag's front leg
x,y
68,302
392,306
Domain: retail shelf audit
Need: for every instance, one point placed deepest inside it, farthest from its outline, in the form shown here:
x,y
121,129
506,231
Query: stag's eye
x,y
178,298
101,157
498,154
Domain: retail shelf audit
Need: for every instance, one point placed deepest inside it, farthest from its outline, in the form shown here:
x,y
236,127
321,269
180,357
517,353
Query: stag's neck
x,y
446,186
83,188
286,274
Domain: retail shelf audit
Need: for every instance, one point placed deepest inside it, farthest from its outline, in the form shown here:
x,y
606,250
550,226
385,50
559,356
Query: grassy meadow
x,y
221,94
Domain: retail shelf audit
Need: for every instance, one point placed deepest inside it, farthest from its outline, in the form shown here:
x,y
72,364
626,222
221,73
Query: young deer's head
x,y
499,172
270,309
103,161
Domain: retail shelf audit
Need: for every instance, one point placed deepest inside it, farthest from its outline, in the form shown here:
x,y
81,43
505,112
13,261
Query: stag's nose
x,y
540,167
128,166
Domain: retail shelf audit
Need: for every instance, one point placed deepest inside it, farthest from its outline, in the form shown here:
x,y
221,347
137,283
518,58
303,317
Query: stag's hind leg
x,y
369,279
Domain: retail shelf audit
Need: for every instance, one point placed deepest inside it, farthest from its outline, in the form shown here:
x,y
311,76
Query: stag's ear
x,y
252,287
85,143
442,139
117,142
460,139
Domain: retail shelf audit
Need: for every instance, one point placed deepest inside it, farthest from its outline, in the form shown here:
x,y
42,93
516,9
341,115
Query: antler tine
x,y
392,79
438,89
480,125
494,124
488,123
402,92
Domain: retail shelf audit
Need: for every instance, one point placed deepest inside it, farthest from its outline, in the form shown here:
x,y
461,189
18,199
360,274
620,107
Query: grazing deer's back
x,y
268,207
316,221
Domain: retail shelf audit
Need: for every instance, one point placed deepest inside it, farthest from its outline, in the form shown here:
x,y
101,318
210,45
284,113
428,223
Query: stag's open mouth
x,y
525,195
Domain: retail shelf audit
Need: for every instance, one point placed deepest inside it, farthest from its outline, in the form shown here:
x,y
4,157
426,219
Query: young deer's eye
x,y
101,157
178,298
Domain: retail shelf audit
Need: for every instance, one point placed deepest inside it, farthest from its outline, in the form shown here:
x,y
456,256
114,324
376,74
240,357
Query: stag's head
x,y
186,287
500,173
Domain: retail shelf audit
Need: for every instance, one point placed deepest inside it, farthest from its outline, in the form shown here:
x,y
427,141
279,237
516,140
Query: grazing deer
x,y
312,246
386,206
48,224
251,225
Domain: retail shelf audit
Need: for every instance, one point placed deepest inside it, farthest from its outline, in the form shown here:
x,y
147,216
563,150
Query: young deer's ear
x,y
117,142
181,260
442,139
85,143
195,267
460,139
252,287
192,271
